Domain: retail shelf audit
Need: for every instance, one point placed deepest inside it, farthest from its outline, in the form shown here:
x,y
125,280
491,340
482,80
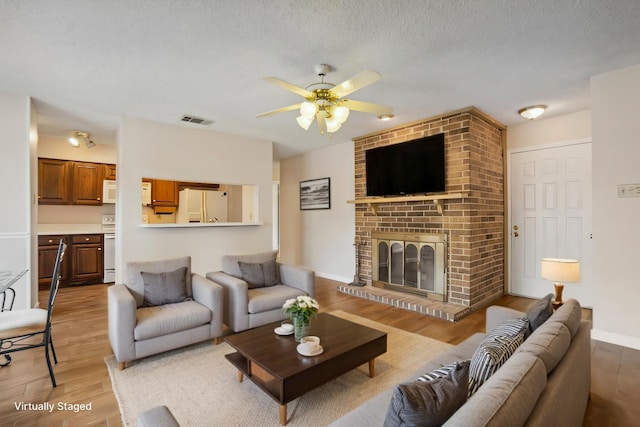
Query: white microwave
x,y
109,191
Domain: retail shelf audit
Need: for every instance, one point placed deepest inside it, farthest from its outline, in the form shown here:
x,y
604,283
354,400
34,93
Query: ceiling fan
x,y
325,101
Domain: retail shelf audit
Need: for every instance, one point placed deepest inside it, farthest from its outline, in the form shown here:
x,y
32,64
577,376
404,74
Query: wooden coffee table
x,y
273,364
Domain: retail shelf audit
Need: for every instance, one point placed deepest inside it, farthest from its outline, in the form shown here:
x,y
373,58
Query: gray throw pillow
x,y
539,312
429,403
271,273
252,274
164,288
494,350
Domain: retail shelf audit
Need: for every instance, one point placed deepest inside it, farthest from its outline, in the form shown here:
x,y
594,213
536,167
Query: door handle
x,y
515,231
515,234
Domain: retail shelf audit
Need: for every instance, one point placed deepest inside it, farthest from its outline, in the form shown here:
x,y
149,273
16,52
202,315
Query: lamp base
x,y
558,299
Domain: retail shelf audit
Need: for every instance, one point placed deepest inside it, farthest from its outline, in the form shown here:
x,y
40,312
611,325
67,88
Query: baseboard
x,y
616,339
335,277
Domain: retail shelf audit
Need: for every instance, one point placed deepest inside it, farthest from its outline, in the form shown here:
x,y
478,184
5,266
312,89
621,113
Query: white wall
x,y
155,150
319,239
56,147
615,100
16,138
535,133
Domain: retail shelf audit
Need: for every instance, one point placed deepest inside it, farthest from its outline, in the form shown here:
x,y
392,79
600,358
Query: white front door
x,y
550,205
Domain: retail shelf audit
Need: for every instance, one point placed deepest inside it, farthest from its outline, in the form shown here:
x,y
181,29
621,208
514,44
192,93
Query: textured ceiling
x,y
86,63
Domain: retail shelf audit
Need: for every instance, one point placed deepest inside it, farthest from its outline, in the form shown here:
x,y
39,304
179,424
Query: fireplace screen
x,y
411,263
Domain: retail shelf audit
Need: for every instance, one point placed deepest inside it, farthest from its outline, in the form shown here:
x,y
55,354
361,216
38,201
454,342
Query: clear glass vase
x,y
300,327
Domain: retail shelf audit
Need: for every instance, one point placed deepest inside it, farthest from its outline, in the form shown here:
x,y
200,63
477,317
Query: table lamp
x,y
560,271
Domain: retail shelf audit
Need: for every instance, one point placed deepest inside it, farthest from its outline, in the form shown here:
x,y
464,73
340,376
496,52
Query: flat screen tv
x,y
412,167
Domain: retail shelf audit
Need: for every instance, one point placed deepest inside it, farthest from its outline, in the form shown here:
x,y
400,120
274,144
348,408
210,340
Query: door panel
x,y
550,217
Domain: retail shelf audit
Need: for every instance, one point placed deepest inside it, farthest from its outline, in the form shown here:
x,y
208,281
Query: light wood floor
x,y
80,338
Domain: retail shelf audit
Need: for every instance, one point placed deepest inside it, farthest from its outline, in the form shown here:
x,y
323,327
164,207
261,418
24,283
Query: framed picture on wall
x,y
315,194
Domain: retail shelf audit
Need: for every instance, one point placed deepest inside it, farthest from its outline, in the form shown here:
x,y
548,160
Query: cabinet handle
x,y
99,249
98,199
86,239
50,241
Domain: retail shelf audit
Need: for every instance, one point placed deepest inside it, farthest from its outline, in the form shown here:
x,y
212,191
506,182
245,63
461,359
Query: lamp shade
x,y
561,270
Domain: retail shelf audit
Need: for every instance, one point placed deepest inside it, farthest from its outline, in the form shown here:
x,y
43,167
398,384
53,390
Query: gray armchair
x,y
138,329
246,305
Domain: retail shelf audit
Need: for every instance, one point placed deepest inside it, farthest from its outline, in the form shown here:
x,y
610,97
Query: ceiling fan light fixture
x,y
304,122
532,112
308,110
341,114
333,124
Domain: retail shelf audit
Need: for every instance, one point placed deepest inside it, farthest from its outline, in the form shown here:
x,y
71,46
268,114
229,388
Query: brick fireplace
x,y
470,214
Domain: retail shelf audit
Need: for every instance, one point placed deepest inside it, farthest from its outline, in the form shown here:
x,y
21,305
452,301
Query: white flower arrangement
x,y
303,305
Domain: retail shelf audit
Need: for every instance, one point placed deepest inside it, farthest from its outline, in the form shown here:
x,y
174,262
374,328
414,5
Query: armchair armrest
x,y
299,278
121,309
497,315
209,294
236,300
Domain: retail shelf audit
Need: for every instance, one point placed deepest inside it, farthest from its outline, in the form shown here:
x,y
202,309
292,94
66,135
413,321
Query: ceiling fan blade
x,y
367,107
363,79
290,87
280,110
322,122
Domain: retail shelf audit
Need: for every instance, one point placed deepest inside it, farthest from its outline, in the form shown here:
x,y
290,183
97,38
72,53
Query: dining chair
x,y
31,328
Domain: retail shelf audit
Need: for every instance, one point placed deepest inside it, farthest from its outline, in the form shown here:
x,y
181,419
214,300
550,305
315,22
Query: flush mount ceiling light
x,y
325,101
386,117
78,136
532,112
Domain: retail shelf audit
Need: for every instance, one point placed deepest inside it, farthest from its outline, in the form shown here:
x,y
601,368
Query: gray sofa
x,y
136,331
245,307
546,382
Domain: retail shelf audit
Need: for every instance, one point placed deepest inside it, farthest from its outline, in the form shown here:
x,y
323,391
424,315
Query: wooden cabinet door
x,y
109,171
164,193
88,261
47,252
54,182
87,183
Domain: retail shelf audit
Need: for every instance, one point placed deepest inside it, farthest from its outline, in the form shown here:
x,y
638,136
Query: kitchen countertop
x,y
53,229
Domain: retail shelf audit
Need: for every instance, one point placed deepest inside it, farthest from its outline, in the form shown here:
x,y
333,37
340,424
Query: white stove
x,y
109,229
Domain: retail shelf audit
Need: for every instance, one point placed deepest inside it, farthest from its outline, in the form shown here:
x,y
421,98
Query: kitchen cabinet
x,y
87,261
83,261
164,193
47,252
109,171
54,182
87,183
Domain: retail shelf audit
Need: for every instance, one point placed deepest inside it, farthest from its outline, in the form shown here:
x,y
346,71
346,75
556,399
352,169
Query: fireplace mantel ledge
x,y
438,200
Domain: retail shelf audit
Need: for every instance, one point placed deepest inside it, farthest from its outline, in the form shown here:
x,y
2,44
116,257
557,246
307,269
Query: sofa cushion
x,y
269,298
539,312
164,288
494,351
169,318
549,343
507,398
570,313
429,403
134,278
230,262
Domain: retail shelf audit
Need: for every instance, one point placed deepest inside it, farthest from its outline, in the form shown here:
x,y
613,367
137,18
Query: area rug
x,y
200,386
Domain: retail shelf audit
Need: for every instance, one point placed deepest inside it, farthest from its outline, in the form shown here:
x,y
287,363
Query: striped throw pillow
x,y
439,372
495,349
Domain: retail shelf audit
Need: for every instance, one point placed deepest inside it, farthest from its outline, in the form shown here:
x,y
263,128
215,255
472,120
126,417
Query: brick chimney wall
x,y
474,153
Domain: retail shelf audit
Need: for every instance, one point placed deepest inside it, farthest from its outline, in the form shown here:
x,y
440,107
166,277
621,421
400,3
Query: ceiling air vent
x,y
196,120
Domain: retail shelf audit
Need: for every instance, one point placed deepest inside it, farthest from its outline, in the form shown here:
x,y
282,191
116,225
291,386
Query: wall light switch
x,y
629,190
